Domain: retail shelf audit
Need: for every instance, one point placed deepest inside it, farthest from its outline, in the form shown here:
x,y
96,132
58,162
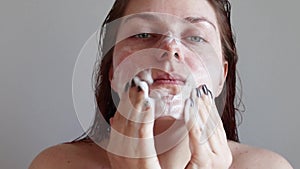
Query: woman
x,y
124,145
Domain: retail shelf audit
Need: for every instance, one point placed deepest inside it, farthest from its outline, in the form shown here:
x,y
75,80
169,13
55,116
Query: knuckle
x,y
144,131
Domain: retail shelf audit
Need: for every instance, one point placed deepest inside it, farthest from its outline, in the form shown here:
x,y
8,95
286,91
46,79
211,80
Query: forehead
x,y
179,8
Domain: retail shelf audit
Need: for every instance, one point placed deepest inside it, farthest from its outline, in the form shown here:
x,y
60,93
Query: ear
x,y
225,69
222,78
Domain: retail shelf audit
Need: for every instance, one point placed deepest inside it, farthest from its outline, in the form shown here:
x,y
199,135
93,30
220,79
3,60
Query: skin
x,y
217,152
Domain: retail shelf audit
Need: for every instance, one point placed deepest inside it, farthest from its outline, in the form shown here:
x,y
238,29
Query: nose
x,y
171,46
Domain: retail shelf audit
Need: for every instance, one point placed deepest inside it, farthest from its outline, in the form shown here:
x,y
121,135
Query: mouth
x,y
169,79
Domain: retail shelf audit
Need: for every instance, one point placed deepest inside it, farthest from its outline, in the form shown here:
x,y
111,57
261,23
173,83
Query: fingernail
x,y
132,83
198,92
205,90
191,102
187,110
146,103
210,93
139,89
126,87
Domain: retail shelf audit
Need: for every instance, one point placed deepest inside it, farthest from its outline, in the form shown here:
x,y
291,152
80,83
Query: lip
x,y
169,79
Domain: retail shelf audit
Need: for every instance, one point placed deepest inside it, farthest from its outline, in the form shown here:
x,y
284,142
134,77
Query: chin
x,y
165,118
164,123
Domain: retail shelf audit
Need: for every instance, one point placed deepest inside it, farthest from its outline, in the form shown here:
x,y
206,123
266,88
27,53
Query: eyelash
x,y
198,40
142,35
195,39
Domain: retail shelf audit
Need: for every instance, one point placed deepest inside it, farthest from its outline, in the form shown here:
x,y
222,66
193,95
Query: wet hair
x,y
229,95
104,95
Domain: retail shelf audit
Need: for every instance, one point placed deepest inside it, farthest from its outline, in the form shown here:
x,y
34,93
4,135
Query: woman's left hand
x,y
207,138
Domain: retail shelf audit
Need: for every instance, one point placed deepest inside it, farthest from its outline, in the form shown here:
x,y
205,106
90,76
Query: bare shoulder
x,y
71,156
245,156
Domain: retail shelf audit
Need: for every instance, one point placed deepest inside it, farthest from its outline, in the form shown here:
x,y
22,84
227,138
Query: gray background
x,y
40,41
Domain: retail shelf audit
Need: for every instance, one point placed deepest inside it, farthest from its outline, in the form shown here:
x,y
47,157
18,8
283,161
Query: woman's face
x,y
175,39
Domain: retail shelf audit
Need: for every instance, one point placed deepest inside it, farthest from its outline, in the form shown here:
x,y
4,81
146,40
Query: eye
x,y
143,35
197,39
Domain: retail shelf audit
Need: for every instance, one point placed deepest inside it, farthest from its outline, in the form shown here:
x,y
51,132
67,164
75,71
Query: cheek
x,y
205,70
122,50
199,71
218,50
120,53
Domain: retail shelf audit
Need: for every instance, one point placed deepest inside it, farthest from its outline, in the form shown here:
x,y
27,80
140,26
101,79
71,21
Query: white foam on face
x,y
169,38
143,85
165,104
146,76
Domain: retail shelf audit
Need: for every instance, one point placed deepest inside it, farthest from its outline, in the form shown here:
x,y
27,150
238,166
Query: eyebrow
x,y
144,16
151,17
199,19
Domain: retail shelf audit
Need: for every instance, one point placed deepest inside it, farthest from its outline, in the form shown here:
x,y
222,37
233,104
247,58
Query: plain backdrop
x,y
41,39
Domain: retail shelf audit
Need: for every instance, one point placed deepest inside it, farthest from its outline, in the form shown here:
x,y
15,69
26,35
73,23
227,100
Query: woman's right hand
x,y
131,143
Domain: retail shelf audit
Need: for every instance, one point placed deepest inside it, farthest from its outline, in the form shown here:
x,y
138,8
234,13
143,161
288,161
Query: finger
x,y
135,115
188,115
215,141
130,146
206,96
135,104
191,115
219,128
203,101
194,126
200,152
197,147
142,102
218,138
202,112
214,130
